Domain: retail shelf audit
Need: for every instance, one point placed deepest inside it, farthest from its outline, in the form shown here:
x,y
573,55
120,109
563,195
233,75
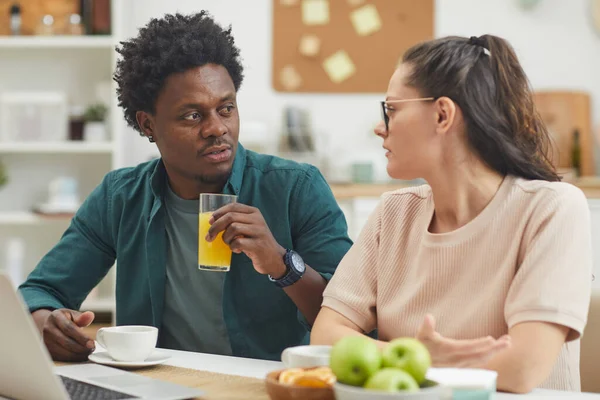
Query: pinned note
x,y
366,20
315,12
290,78
309,45
339,66
355,3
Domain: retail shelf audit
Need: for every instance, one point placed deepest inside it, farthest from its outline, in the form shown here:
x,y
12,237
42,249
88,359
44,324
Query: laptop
x,y
27,371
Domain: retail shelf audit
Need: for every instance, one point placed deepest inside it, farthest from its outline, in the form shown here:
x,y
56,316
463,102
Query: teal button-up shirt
x,y
123,220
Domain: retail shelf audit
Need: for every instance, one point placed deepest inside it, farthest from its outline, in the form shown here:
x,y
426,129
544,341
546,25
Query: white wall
x,y
552,40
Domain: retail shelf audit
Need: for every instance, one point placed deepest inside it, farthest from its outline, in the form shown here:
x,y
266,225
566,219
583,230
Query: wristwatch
x,y
295,269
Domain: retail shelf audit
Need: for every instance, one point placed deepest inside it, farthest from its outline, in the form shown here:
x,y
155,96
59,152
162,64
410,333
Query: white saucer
x,y
102,357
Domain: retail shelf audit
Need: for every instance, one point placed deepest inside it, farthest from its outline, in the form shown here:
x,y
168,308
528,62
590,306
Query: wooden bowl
x,y
281,391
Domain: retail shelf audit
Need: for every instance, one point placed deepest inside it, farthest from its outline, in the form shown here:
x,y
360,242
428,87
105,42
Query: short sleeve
x,y
553,281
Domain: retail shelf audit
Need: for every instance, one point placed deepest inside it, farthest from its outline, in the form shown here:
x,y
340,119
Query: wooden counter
x,y
347,191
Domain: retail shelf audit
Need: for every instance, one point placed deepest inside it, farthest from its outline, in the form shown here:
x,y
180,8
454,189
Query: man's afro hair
x,y
172,44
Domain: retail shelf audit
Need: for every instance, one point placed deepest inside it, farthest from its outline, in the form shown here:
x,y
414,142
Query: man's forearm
x,y
307,293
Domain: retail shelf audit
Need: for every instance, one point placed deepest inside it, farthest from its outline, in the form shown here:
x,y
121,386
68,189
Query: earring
x,y
150,138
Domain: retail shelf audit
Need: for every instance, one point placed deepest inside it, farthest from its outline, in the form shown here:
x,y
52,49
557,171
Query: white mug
x,y
132,343
306,356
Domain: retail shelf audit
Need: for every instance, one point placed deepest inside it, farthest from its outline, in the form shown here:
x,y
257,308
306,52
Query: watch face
x,y
298,262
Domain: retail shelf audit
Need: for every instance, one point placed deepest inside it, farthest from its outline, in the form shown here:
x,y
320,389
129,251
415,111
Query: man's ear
x,y
146,123
445,114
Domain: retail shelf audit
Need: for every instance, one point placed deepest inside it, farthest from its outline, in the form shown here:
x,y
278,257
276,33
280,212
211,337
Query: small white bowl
x,y
465,383
347,392
307,356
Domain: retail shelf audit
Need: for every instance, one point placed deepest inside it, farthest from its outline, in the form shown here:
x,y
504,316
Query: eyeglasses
x,y
384,110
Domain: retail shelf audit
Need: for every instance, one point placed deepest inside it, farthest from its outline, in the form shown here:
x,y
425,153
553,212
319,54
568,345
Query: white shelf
x,y
56,147
99,305
56,42
27,218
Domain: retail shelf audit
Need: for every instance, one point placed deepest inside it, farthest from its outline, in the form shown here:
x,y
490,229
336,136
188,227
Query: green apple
x,y
392,380
353,359
409,355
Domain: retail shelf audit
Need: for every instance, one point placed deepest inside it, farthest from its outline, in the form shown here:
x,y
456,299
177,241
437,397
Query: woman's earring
x,y
150,138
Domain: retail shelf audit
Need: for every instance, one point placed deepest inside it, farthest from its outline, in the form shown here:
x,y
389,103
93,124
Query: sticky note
x,y
315,12
354,3
339,66
309,45
366,20
290,78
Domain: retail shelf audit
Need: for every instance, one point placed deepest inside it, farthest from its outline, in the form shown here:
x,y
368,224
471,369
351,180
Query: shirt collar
x,y
158,178
234,183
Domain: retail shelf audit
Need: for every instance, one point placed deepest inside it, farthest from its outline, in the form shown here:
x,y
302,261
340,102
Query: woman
x,y
494,247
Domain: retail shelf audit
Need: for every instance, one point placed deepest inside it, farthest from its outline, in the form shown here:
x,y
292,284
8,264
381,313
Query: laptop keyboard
x,y
84,391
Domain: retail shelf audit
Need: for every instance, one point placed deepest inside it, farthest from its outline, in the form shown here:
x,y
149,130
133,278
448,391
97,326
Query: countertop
x,y
345,191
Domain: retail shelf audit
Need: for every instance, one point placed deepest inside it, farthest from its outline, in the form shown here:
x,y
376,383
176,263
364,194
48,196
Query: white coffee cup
x,y
306,356
129,342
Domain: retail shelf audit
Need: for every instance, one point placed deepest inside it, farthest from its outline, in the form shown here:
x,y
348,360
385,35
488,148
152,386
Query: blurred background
x,y
315,71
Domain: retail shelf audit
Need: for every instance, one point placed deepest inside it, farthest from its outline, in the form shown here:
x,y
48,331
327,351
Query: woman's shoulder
x,y
541,200
410,193
409,198
544,191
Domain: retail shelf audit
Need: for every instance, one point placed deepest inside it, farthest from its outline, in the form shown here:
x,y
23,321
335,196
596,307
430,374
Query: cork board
x,y
32,12
374,51
563,112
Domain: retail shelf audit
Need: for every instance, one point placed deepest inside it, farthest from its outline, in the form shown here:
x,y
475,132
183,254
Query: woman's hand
x,y
447,352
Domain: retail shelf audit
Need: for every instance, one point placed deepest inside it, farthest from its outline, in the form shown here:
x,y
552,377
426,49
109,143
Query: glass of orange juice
x,y
215,255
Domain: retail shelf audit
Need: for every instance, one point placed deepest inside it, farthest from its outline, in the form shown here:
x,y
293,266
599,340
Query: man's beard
x,y
212,179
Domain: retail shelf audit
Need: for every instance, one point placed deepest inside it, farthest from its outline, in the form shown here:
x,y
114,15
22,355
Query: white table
x,y
222,364
259,368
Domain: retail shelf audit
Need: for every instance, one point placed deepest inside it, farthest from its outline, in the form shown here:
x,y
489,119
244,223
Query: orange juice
x,y
215,255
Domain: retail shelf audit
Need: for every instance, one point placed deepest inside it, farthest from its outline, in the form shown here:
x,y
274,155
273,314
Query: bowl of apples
x,y
397,372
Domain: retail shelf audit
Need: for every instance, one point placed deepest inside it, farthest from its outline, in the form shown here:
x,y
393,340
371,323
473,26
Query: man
x,y
177,84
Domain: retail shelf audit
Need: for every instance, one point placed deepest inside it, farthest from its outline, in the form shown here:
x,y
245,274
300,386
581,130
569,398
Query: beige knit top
x,y
526,257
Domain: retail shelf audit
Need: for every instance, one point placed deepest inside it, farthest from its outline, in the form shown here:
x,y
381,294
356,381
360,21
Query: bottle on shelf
x,y
101,17
95,15
76,122
15,19
576,153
